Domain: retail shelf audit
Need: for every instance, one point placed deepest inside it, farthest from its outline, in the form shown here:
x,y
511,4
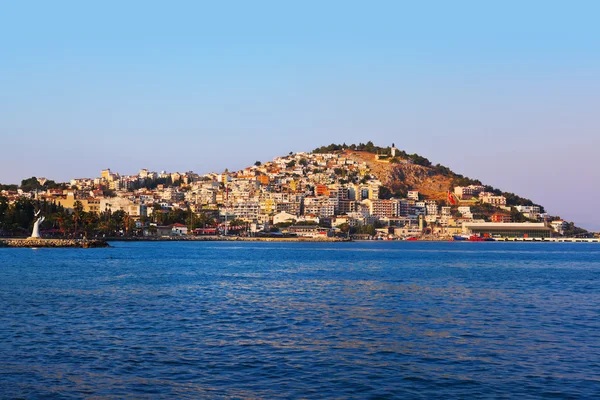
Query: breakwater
x,y
75,243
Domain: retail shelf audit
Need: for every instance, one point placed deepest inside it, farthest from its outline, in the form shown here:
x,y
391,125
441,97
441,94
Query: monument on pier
x,y
35,234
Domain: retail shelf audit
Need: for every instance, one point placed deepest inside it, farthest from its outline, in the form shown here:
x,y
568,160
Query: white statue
x,y
36,225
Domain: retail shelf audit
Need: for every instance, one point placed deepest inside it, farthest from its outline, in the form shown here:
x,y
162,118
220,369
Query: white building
x,y
489,198
559,226
413,195
531,212
247,210
468,191
465,211
283,217
431,207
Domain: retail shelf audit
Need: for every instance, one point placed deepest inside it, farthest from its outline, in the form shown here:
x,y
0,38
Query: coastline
x,y
224,239
104,242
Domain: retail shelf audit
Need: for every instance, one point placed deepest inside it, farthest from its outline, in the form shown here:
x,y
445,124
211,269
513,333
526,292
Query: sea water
x,y
301,320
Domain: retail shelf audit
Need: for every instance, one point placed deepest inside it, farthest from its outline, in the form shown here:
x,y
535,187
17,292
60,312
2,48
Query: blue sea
x,y
376,320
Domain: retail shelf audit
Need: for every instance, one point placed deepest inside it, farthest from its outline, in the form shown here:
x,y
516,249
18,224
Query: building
x,y
413,195
283,217
531,212
504,218
373,193
308,230
465,212
489,198
431,207
382,208
465,192
507,230
246,210
88,205
178,229
559,226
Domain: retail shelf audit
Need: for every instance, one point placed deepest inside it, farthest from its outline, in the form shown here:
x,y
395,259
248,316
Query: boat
x,y
475,238
458,238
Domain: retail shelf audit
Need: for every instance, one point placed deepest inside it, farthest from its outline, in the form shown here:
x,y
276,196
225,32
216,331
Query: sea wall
x,y
30,242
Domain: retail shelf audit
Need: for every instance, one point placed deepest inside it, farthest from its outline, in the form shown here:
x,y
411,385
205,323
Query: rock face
x,y
404,177
37,242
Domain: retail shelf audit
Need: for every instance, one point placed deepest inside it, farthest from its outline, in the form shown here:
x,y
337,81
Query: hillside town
x,y
298,195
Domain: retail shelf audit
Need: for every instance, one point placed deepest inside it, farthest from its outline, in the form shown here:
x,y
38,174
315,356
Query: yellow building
x,y
89,205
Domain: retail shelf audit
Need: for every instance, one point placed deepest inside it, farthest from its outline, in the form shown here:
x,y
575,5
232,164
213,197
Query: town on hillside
x,y
331,192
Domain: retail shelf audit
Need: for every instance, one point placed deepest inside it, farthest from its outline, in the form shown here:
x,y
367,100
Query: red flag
x,y
451,198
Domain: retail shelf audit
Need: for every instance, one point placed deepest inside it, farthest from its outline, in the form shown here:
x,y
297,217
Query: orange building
x,y
321,190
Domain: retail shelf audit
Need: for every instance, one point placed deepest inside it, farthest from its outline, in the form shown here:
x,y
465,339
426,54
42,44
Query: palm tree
x,y
77,214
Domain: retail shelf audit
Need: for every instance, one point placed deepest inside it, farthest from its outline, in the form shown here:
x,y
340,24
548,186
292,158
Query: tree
x,y
77,214
385,193
9,187
345,227
258,163
30,184
516,216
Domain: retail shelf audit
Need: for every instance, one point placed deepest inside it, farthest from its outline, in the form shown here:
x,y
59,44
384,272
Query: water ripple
x,y
301,320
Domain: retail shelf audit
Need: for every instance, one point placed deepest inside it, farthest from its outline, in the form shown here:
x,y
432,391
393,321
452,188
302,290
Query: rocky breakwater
x,y
34,242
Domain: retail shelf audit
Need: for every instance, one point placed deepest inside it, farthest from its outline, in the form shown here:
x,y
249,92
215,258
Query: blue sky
x,y
506,92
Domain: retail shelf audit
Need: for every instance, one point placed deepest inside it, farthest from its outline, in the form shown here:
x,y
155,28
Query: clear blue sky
x,y
508,92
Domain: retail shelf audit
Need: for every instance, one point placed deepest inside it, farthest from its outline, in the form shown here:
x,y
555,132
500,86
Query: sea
x,y
256,320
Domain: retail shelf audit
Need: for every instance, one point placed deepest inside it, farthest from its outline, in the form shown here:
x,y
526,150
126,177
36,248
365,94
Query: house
x,y
158,231
178,229
559,226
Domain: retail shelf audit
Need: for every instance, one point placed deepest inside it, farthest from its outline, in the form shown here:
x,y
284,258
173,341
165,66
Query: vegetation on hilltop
x,y
369,147
9,187
33,184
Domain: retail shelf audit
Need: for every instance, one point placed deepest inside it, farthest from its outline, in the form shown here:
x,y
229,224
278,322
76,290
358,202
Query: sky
x,y
506,92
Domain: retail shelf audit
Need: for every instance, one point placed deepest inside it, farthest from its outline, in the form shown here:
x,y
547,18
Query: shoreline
x,y
104,242
225,239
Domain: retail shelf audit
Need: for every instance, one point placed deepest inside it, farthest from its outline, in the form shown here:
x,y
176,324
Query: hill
x,y
403,172
400,172
400,177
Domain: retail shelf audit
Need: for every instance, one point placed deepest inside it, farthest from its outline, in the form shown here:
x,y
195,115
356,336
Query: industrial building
x,y
507,230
